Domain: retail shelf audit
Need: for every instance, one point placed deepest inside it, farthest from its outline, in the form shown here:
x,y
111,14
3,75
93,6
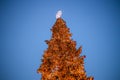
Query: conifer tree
x,y
61,60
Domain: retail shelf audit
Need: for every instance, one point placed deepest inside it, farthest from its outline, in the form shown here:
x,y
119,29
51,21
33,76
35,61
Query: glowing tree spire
x,y
61,60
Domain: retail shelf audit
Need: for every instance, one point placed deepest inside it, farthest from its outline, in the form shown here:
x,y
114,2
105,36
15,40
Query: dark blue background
x,y
24,25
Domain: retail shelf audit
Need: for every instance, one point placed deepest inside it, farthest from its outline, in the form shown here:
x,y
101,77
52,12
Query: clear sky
x,y
25,25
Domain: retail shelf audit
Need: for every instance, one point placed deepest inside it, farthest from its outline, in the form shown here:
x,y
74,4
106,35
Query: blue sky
x,y
26,24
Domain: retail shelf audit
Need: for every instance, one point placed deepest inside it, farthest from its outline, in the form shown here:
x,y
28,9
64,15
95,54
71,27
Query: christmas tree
x,y
61,60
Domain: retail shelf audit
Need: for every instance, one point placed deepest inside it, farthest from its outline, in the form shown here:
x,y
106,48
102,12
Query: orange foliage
x,y
61,60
